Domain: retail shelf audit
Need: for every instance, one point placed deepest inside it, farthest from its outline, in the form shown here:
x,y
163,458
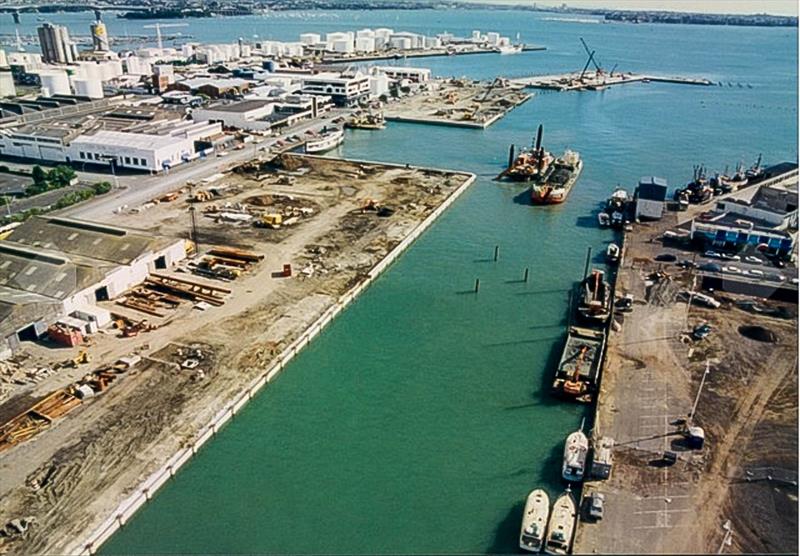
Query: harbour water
x,y
420,419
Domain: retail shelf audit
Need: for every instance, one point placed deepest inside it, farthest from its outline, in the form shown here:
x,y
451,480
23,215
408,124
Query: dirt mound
x,y
758,333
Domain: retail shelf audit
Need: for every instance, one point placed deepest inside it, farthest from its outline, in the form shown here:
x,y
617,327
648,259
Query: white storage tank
x,y
310,38
89,70
365,44
55,82
342,45
92,88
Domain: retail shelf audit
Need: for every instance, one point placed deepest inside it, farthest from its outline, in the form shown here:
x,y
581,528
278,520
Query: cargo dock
x,y
595,81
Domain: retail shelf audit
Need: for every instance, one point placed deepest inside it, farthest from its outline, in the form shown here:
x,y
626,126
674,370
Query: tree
x,y
39,176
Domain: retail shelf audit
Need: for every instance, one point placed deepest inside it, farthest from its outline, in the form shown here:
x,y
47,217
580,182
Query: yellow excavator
x,y
575,386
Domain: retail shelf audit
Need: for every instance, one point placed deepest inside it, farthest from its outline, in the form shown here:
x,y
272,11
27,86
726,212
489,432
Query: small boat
x,y
575,449
327,140
534,521
604,220
561,525
612,253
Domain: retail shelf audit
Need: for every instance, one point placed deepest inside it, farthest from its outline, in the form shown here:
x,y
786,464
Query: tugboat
x,y
532,164
595,305
534,521
561,525
575,449
756,171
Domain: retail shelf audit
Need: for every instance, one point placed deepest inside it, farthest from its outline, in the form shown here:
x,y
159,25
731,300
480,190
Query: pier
x,y
401,54
595,81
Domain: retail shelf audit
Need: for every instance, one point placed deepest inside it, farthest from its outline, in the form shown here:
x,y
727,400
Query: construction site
x,y
273,251
459,102
682,358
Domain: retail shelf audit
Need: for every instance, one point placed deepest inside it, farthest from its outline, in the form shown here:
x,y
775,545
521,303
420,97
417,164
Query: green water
x,y
419,420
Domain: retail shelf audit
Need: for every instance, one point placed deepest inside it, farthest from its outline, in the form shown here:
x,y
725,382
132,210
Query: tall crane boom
x,y
159,26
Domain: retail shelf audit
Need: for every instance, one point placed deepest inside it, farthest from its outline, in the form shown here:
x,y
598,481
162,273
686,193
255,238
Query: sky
x,y
776,7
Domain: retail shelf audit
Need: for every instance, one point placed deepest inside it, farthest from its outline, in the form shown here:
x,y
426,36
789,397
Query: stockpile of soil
x,y
758,333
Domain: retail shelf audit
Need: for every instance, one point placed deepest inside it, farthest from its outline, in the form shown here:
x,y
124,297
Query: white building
x,y
651,195
345,90
310,38
7,88
417,75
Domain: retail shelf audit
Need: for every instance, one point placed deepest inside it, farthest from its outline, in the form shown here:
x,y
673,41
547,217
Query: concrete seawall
x,y
145,491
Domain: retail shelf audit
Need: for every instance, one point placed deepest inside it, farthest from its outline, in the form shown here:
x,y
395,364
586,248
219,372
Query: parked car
x,y
686,263
666,258
753,260
712,255
754,272
732,269
710,267
701,331
774,277
730,257
597,503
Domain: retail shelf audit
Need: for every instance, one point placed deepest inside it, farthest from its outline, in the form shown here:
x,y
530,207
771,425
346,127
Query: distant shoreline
x,y
171,10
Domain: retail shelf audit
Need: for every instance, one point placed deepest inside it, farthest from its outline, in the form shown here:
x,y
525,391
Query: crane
x,y
158,26
585,67
573,386
591,56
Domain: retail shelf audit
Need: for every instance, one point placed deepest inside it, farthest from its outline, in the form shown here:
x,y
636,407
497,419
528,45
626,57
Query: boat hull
x,y
545,194
534,521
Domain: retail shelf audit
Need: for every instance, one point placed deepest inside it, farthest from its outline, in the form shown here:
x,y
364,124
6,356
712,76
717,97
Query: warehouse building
x,y
345,90
51,268
651,196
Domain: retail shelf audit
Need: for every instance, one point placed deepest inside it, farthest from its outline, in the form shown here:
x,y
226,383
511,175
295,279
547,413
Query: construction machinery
x,y
271,220
574,386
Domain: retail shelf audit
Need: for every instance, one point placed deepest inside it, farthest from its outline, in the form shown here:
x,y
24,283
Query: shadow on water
x,y
518,342
506,534
523,198
543,292
587,222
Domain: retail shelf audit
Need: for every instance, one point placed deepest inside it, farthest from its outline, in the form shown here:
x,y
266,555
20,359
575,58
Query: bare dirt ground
x,y
459,102
748,409
70,477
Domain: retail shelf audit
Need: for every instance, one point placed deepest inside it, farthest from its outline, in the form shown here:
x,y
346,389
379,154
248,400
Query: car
x,y
755,273
686,263
753,260
729,257
795,281
712,255
221,154
732,269
666,258
710,267
701,331
669,458
596,506
774,277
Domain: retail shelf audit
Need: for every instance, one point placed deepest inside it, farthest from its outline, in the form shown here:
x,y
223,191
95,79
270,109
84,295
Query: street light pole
x,y
727,540
699,391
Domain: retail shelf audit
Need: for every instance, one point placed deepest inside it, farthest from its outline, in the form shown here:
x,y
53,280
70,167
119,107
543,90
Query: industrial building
x,y
651,195
213,87
417,75
134,137
265,113
51,268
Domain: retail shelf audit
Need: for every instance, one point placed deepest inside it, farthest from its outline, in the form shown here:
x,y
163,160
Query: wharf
x,y
400,54
459,103
593,81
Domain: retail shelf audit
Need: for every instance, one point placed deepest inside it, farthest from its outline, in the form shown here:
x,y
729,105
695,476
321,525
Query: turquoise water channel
x,y
419,420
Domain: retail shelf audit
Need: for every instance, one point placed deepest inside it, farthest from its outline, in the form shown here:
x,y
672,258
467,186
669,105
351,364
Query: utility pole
x,y
699,391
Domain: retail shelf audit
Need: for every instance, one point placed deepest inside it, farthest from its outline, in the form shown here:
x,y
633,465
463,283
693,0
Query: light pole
x,y
111,163
727,540
699,391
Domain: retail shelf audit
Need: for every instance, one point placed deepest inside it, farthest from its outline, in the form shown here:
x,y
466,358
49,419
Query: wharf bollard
x,y
496,252
477,284
525,278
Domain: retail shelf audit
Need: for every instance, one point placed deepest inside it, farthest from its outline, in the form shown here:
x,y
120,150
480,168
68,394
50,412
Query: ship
x,y
531,164
559,182
578,371
329,138
561,525
575,449
595,298
510,49
534,521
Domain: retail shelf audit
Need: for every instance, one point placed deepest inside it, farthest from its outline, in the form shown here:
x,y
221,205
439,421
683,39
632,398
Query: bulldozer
x,y
272,220
81,359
